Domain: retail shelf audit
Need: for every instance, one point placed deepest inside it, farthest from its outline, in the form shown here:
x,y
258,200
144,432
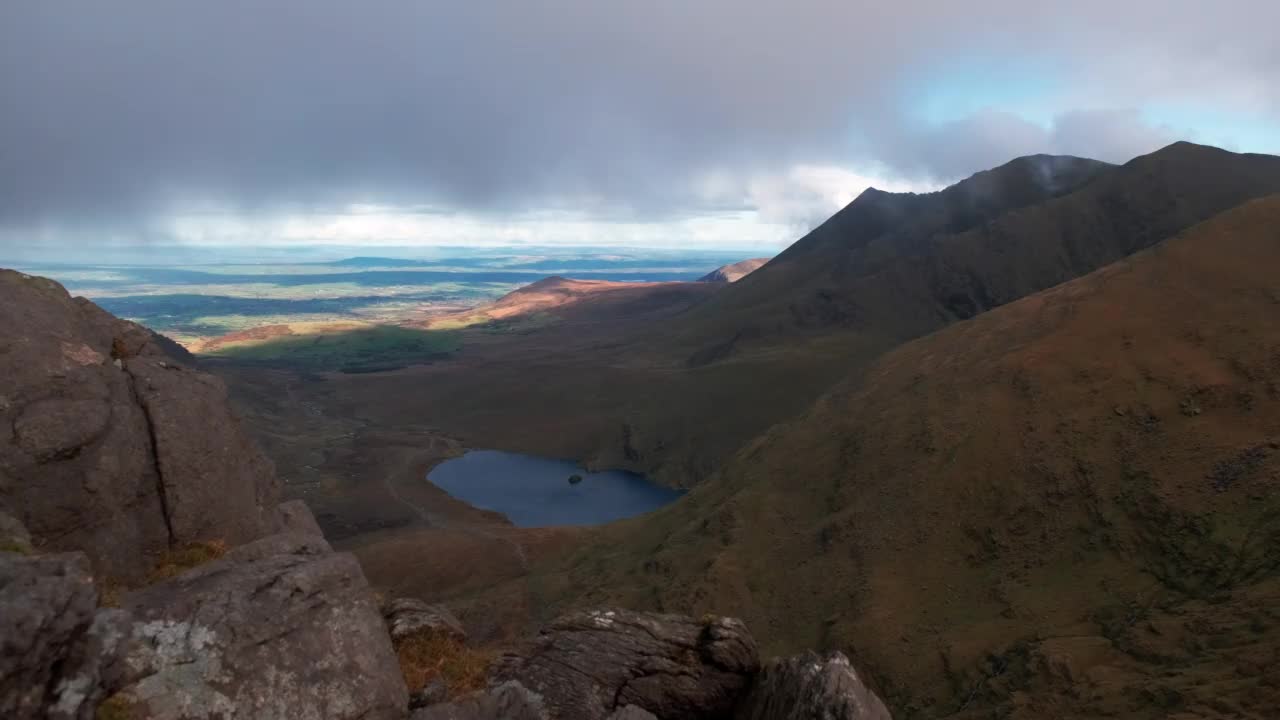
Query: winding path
x,y
430,520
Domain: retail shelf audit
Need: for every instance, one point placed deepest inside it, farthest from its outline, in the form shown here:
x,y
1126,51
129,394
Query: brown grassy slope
x,y
1065,507
559,298
734,272
578,385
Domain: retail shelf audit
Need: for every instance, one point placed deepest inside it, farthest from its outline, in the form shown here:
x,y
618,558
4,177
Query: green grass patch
x,y
13,546
372,349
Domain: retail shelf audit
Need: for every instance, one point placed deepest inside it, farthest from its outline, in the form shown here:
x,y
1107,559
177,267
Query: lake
x,y
535,491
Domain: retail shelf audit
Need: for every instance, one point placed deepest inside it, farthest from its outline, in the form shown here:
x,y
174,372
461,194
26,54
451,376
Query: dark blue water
x,y
535,492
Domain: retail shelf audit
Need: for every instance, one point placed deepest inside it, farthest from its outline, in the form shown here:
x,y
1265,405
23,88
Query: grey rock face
x,y
295,517
586,665
279,628
507,701
115,448
631,712
59,655
810,687
214,483
408,616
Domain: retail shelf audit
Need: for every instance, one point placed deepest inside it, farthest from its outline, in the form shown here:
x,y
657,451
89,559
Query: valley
x,y
1005,504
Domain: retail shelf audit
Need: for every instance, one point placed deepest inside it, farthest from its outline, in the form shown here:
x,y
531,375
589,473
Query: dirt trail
x,y
434,520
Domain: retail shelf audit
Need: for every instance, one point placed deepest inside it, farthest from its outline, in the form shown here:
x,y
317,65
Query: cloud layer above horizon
x,y
130,119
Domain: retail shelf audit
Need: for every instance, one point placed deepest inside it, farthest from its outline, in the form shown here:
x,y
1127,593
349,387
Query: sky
x,y
663,123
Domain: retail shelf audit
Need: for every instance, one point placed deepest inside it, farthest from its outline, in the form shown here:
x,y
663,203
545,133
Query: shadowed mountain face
x,y
1063,507
897,266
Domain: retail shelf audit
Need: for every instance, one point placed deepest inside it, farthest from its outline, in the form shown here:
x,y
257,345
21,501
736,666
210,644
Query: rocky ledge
x,y
283,627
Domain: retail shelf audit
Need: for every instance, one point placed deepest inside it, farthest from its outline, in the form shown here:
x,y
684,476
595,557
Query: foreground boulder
x,y
587,665
509,700
59,654
280,628
809,687
116,448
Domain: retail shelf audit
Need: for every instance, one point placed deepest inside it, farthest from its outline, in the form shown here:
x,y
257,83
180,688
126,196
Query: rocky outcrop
x,y
284,628
214,482
620,665
110,445
809,687
295,517
587,665
410,616
280,628
59,654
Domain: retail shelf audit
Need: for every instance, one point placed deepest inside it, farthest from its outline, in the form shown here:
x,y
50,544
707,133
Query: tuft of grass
x,y
110,592
178,560
116,707
172,563
13,546
429,655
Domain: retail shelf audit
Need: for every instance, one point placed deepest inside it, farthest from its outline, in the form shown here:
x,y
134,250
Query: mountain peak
x,y
1183,150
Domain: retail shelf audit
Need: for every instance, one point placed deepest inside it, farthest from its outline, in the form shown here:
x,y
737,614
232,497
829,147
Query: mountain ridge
x,y
807,287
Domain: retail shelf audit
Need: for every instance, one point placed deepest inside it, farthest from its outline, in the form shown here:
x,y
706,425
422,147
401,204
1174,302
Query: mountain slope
x,y
1066,507
899,266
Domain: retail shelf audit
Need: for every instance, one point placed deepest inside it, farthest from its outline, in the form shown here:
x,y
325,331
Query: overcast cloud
x,y
127,114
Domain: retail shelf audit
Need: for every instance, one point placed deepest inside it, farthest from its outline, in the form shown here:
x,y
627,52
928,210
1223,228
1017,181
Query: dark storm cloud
x,y
130,109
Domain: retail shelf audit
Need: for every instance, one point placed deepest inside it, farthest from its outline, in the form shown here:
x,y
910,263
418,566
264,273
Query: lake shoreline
x,y
535,492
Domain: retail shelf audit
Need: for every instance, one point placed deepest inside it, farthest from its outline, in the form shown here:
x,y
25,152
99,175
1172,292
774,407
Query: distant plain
x,y
196,297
